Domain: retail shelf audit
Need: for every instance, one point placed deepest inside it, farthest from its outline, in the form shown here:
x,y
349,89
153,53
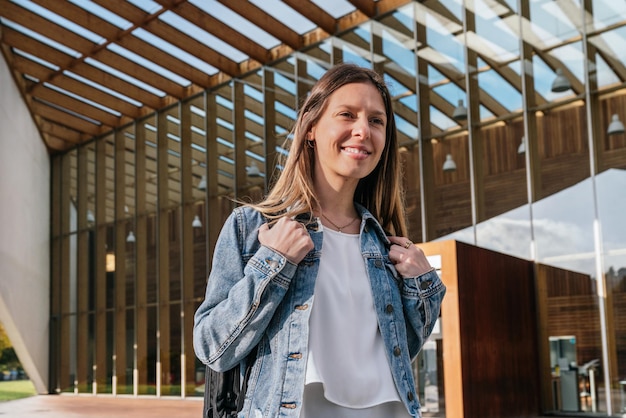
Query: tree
x,y
4,339
8,358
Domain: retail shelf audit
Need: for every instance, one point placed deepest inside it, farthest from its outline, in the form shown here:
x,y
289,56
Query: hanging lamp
x,y
449,164
197,223
616,126
202,183
460,112
253,170
560,83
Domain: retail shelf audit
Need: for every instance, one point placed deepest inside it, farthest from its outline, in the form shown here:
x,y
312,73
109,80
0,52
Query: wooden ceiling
x,y
79,85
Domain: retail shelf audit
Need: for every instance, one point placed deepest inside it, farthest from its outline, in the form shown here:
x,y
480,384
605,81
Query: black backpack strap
x,y
223,393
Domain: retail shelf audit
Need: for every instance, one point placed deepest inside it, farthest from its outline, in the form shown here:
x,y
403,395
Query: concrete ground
x,y
104,406
107,406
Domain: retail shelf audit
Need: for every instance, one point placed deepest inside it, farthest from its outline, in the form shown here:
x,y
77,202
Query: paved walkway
x,y
102,406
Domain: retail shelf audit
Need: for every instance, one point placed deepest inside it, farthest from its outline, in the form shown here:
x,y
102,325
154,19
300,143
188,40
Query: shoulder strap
x,y
223,393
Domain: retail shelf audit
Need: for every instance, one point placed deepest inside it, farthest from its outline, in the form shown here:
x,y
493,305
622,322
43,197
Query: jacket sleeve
x,y
244,288
421,298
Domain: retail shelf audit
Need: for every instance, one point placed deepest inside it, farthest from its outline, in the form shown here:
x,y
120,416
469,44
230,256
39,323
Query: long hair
x,y
380,192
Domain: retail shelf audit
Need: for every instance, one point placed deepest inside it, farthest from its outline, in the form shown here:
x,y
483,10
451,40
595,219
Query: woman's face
x,y
349,135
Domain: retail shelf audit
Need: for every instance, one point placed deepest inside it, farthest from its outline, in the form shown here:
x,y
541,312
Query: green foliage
x,y
4,339
8,358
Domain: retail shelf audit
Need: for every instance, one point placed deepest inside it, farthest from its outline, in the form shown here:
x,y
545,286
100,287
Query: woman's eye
x,y
377,121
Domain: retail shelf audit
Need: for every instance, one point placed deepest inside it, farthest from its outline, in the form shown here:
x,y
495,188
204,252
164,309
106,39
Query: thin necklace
x,y
339,228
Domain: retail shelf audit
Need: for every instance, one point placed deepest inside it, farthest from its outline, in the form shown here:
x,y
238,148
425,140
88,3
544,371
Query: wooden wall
x,y
563,160
489,329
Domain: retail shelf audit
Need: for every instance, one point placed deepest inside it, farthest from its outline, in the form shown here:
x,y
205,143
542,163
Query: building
x,y
117,174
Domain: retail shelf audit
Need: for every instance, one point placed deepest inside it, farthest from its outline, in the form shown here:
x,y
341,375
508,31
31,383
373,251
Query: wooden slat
x,y
66,119
367,7
314,13
76,106
141,73
190,45
218,29
60,59
99,52
39,71
67,134
42,51
266,22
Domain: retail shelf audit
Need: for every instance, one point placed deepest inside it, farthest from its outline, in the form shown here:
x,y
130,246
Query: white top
x,y
348,374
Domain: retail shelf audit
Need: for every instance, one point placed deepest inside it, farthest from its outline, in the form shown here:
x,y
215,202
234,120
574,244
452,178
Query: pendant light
x,y
560,83
90,218
202,184
522,146
197,223
253,170
449,164
130,237
460,112
616,126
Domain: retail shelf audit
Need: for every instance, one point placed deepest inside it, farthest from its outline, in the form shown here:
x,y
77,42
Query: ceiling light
x,y
460,112
90,218
616,126
560,83
522,147
130,237
202,184
449,164
253,170
197,223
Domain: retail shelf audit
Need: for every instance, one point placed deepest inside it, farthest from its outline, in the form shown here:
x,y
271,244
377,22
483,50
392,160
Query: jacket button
x,y
302,307
389,308
378,263
424,285
397,351
410,396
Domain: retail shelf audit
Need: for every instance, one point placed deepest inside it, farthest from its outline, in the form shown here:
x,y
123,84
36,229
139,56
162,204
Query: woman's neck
x,y
337,209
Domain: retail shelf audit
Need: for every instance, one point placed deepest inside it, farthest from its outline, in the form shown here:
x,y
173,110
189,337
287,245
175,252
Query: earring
x,y
310,143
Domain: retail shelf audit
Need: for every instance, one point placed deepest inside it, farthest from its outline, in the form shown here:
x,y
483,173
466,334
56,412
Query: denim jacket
x,y
257,299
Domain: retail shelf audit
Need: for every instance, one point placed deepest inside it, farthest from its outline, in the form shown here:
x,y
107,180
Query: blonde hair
x,y
380,192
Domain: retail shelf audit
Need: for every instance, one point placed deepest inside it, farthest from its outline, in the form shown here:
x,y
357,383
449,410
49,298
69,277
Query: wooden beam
x,y
34,69
68,135
192,46
66,119
265,21
367,7
218,29
315,14
76,106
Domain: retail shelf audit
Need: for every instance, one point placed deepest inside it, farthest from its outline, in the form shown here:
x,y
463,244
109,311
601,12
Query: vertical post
x,y
119,339
163,253
187,253
99,366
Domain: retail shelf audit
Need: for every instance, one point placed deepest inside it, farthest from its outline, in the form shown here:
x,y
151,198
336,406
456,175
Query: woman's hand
x,y
288,237
408,259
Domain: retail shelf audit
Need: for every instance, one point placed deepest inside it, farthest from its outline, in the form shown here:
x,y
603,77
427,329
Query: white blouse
x,y
348,374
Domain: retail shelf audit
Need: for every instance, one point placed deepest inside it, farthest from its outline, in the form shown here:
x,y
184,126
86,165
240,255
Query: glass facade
x,y
496,151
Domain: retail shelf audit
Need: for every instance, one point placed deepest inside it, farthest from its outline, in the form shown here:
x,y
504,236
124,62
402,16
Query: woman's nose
x,y
361,128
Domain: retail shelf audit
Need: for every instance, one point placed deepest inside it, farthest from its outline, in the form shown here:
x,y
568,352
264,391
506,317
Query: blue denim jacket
x,y
255,297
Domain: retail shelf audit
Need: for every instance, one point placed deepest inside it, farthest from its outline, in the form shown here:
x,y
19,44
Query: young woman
x,y
319,278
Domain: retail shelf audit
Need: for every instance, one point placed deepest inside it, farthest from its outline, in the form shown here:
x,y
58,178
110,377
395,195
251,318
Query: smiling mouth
x,y
355,151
